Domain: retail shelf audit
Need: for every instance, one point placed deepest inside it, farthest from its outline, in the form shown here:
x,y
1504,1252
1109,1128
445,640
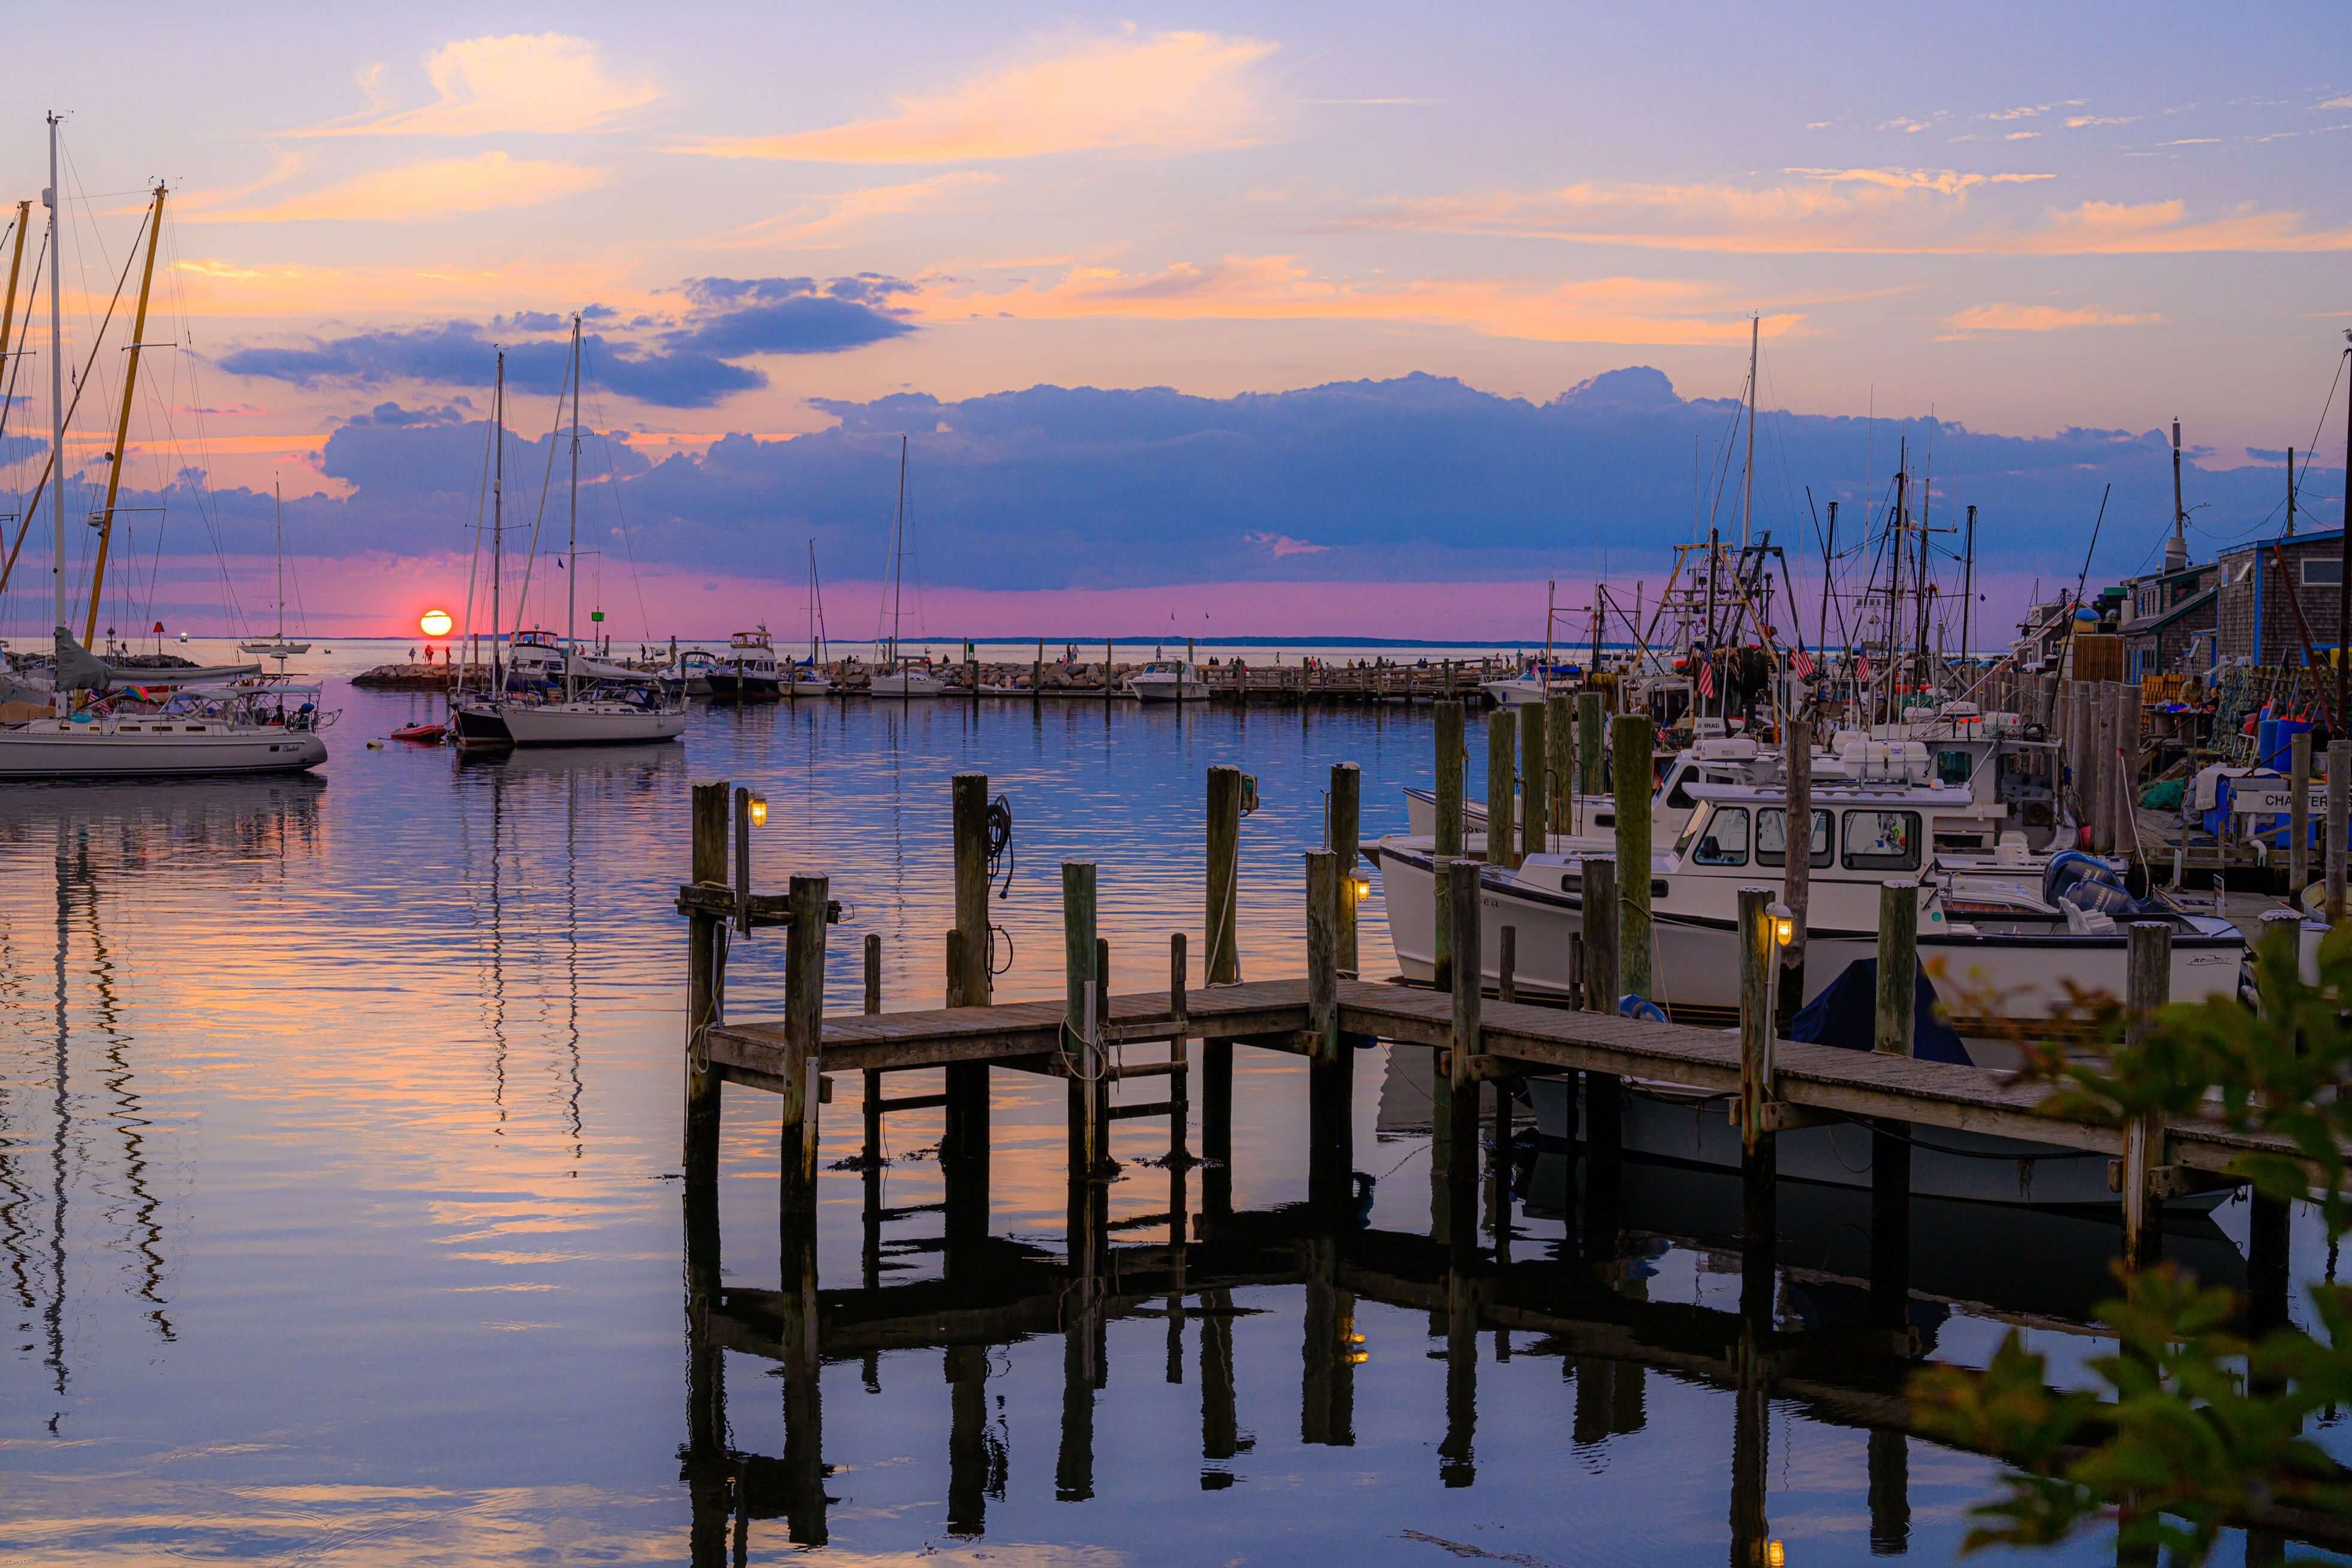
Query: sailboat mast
x,y
1747,503
57,420
572,558
278,496
119,459
898,554
497,520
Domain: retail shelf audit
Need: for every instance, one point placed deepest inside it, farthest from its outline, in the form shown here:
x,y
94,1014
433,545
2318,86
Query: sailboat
x,y
897,678
601,703
808,679
276,646
124,728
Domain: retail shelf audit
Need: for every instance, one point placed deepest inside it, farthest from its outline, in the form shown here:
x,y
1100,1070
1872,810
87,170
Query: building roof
x,y
2203,600
2331,536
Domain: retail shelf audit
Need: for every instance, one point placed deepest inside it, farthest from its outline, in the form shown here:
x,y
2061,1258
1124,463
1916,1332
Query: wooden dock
x,y
1769,1086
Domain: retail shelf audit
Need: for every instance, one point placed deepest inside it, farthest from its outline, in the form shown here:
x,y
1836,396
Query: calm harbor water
x,y
340,1220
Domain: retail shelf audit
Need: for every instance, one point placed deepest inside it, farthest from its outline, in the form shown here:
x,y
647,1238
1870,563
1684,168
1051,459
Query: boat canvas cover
x,y
79,670
1845,1014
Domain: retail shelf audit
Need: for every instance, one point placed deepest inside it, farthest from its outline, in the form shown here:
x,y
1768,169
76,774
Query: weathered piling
x,y
1347,831
1037,674
1759,1126
2298,854
872,1100
1502,811
1535,781
2127,762
1081,1054
2100,786
1588,745
1796,863
804,1032
965,1139
1560,782
1630,747
2339,812
1895,1024
1222,967
1450,760
2147,984
706,985
1330,1066
1469,994
1604,1095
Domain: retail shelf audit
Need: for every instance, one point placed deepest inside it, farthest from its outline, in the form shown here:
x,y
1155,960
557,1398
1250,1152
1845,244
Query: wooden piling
x,y
2298,855
1535,781
2099,785
2127,757
706,987
1221,968
1630,747
2147,982
1329,1069
873,1096
806,903
2339,812
1037,674
1758,1137
965,1137
1894,1021
1560,731
1079,1055
1464,1037
1502,810
1506,965
1347,831
1603,1097
1450,760
1796,863
1589,749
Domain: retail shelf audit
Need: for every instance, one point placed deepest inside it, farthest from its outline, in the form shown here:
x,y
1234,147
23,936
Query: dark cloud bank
x,y
1419,478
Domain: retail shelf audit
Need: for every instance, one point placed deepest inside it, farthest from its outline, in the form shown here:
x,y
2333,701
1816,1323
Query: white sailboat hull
x,y
907,684
53,749
1979,975
589,724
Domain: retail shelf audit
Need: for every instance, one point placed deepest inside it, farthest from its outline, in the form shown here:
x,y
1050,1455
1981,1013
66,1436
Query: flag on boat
x,y
1707,678
1802,663
1861,668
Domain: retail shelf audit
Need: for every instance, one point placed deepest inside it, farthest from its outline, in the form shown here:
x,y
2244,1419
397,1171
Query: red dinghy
x,y
432,733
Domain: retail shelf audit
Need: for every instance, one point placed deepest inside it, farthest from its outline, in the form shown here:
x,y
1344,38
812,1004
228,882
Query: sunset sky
x,y
2024,225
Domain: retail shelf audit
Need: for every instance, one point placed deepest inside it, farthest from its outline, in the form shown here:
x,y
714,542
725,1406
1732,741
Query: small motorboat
x,y
423,734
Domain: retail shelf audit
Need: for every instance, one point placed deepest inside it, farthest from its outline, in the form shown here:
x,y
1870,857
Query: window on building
x,y
2319,573
1882,840
2245,570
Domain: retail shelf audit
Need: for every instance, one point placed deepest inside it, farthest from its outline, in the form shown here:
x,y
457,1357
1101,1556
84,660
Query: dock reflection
x,y
1815,1336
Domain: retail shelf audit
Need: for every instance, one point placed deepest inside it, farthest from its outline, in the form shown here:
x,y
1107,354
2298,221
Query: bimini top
x,y
1838,792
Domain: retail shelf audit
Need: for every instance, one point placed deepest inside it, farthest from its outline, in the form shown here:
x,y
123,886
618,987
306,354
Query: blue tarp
x,y
1846,1011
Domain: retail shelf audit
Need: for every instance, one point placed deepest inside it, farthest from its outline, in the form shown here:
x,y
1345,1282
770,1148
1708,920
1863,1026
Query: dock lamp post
x,y
1782,923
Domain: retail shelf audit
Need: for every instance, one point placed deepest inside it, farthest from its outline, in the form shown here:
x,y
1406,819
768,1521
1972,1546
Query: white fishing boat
x,y
2005,948
277,646
1166,681
101,723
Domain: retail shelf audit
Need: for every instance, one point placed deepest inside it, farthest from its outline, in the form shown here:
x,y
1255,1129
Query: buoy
x,y
375,746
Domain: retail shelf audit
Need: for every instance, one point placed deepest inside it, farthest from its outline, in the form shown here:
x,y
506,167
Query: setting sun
x,y
436,623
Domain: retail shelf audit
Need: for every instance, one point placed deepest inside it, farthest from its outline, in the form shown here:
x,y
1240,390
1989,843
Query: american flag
x,y
1802,663
1707,678
1861,668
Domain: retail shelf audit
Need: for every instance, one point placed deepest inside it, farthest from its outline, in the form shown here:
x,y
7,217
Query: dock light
x,y
1784,924
1775,1554
1362,886
757,809
436,622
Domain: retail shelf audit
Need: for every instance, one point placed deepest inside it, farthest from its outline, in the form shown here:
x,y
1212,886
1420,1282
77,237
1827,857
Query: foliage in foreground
x,y
2197,1424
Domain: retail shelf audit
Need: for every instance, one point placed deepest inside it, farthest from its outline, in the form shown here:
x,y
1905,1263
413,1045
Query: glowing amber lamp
x,y
757,808
436,622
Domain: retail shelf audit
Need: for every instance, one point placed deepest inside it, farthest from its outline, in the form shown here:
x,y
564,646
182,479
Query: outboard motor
x,y
2077,881
2066,869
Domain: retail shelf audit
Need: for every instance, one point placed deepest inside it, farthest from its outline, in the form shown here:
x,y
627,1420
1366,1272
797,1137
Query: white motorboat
x,y
124,729
1166,681
2000,947
909,679
747,672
